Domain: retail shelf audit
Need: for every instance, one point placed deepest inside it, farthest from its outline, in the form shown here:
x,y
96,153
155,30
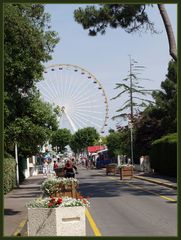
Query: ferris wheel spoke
x,y
85,92
82,122
75,86
46,94
55,89
76,121
89,104
92,117
70,121
50,91
69,87
91,112
51,85
85,121
81,89
90,100
90,121
58,77
61,87
88,115
79,122
87,96
66,83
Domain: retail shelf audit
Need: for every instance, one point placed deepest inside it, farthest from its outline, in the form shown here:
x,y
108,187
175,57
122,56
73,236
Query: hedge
x,y
163,155
9,173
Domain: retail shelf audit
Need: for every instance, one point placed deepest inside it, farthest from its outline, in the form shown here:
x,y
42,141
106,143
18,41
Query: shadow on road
x,y
96,185
10,212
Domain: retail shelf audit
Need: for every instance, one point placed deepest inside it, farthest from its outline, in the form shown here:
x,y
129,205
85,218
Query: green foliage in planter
x,y
163,155
9,173
124,165
52,185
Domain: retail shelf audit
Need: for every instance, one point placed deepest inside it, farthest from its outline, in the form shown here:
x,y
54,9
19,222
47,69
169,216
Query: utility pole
x,y
131,108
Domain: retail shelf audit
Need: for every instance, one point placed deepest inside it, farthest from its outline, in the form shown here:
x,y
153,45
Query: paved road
x,y
128,207
118,208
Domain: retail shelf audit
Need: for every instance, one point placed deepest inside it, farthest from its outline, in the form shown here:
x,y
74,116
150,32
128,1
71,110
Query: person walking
x,y
45,167
51,167
69,169
55,165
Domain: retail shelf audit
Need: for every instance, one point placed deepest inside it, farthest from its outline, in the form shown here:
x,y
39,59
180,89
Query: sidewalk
x,y
166,181
15,201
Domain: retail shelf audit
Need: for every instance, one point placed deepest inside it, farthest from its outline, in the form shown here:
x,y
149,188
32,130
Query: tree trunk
x,y
170,34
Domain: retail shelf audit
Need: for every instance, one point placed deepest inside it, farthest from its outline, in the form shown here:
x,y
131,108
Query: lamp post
x,y
130,124
17,166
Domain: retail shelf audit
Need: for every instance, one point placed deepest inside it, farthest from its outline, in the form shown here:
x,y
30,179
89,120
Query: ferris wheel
x,y
77,96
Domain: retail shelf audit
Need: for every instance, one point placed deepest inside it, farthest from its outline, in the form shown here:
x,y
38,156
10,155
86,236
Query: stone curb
x,y
157,182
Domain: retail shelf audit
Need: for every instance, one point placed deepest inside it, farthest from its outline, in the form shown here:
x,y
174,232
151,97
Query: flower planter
x,y
61,221
126,172
60,187
67,191
111,169
59,172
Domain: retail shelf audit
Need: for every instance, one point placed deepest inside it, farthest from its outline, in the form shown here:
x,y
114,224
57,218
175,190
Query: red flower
x,y
50,204
84,201
59,201
81,197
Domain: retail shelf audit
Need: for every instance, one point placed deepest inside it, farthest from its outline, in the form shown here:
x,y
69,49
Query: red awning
x,y
92,149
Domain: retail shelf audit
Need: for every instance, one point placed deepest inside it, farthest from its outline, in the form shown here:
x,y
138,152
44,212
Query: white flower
x,y
54,184
66,202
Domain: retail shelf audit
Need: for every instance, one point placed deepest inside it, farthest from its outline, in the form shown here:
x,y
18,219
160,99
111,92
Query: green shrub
x,y
163,155
9,173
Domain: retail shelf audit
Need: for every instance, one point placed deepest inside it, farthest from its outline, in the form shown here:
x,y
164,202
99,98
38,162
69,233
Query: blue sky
x,y
107,56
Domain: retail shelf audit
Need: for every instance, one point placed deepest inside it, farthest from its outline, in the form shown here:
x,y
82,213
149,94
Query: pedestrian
x,y
55,165
51,167
45,167
69,169
87,162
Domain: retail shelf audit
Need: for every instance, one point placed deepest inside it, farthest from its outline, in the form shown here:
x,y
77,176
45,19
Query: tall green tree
x,y
130,17
118,142
136,94
61,138
32,128
83,138
74,144
28,44
166,101
161,118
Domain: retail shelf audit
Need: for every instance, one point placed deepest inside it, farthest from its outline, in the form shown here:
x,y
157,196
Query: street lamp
x,y
130,125
17,166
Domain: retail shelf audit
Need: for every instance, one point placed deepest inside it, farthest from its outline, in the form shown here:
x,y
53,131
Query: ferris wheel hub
x,y
63,109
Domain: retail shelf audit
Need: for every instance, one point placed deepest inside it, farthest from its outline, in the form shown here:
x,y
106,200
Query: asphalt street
x,y
128,207
117,207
